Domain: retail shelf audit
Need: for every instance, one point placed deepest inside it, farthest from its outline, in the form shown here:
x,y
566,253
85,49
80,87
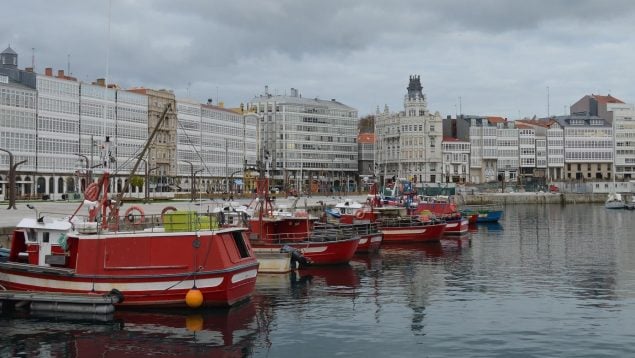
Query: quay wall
x,y
531,198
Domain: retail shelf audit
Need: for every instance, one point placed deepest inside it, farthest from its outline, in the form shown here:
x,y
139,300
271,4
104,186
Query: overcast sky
x,y
498,56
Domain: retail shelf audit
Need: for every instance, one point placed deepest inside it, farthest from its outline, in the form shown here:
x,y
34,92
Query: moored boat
x,y
397,227
147,260
614,201
483,213
271,229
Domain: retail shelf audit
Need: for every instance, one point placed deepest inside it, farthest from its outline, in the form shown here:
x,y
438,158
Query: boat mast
x,y
119,199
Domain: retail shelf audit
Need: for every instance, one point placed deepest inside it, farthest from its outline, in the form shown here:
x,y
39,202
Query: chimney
x,y
266,90
48,71
60,73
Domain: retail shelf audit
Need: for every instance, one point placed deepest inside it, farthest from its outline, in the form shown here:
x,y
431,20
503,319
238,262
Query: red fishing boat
x,y
444,209
273,229
352,213
146,261
399,227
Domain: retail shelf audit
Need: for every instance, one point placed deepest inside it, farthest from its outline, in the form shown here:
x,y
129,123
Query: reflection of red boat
x,y
220,334
429,249
147,265
320,246
340,275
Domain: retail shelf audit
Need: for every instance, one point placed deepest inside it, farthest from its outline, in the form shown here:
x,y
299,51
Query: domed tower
x,y
9,58
415,101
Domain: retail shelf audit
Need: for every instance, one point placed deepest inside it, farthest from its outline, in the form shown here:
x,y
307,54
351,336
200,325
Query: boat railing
x,y
404,222
320,233
155,223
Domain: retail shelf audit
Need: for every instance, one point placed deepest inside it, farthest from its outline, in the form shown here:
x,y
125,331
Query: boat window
x,y
240,243
45,236
31,235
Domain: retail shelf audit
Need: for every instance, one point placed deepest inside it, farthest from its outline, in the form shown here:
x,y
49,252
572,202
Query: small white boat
x,y
615,201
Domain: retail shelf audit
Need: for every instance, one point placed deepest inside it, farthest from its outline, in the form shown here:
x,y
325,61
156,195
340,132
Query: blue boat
x,y
483,213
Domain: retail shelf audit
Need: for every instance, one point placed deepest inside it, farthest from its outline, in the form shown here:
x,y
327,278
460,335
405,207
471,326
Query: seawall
x,y
532,198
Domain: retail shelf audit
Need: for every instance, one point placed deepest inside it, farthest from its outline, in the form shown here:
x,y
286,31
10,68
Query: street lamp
x,y
11,174
193,181
89,173
192,194
146,190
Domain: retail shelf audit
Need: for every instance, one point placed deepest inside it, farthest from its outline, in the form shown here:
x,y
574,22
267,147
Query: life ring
x,y
165,210
130,217
91,193
359,214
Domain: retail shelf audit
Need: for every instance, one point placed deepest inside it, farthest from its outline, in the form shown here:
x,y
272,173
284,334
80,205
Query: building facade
x,y
366,158
456,160
162,151
307,144
623,116
216,142
588,147
18,126
409,142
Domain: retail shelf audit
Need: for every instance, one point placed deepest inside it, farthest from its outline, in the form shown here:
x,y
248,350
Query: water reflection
x,y
218,332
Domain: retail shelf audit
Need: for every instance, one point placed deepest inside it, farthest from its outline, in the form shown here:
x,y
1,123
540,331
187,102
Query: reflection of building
x,y
306,138
456,160
408,143
217,142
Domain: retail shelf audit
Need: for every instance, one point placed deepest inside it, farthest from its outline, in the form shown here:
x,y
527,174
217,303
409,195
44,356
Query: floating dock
x,y
61,302
273,261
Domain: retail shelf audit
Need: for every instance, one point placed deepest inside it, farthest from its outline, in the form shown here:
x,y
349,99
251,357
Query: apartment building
x,y
214,143
307,143
408,143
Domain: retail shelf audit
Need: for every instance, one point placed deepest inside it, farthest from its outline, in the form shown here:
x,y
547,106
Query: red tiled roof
x,y
606,99
366,138
494,120
537,122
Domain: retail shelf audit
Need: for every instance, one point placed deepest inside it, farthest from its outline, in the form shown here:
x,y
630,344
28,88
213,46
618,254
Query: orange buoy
x,y
194,298
194,323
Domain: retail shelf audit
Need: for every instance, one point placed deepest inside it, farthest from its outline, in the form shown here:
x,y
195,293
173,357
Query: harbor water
x,y
547,281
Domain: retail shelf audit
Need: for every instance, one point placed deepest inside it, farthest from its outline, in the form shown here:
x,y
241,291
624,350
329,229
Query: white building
x,y
306,138
507,151
409,143
624,125
588,147
17,121
217,142
456,160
